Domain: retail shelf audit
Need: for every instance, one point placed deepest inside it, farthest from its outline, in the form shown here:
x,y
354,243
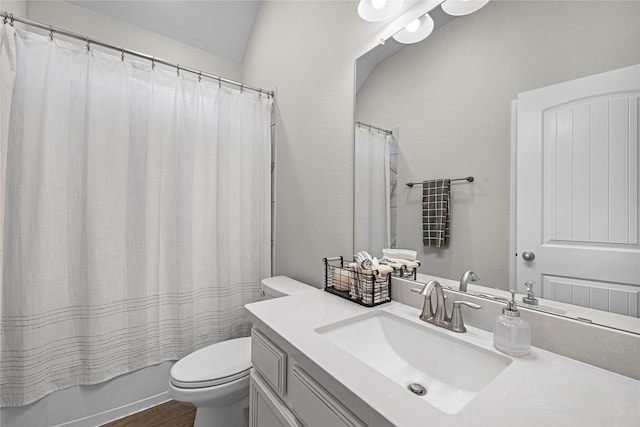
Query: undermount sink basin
x,y
452,371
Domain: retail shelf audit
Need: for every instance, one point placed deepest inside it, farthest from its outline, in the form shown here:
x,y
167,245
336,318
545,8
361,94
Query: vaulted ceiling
x,y
220,27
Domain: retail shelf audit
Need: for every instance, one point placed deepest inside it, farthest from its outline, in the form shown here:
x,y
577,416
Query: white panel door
x,y
577,186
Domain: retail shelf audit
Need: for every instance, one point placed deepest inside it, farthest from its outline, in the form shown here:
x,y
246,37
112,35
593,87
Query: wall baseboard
x,y
117,413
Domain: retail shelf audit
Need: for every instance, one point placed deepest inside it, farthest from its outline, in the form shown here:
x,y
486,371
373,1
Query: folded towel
x,y
390,263
367,288
355,288
400,254
435,212
400,262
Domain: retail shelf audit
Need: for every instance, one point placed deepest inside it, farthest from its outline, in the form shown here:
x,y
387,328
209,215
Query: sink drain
x,y
418,389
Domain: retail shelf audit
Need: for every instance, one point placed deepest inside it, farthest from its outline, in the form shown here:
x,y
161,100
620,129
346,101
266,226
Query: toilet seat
x,y
217,364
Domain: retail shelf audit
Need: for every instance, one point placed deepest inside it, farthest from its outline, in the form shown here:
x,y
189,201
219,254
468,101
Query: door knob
x,y
528,256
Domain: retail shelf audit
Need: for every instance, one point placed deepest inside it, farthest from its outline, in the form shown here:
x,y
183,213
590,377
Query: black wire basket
x,y
365,287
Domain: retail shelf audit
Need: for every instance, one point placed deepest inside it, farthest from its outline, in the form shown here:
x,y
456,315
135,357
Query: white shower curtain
x,y
136,214
372,229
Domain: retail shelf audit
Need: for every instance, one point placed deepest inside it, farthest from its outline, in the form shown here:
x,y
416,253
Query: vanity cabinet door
x,y
265,408
270,361
314,406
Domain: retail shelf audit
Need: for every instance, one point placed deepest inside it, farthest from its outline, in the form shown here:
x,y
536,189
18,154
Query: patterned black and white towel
x,y
435,212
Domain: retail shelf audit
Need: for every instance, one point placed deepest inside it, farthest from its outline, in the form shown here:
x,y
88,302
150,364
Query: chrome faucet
x,y
438,316
531,296
427,308
467,276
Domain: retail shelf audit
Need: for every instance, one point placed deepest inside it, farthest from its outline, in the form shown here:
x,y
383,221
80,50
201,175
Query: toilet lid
x,y
216,364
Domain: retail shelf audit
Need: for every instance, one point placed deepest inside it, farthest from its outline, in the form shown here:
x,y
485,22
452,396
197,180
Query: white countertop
x,y
541,389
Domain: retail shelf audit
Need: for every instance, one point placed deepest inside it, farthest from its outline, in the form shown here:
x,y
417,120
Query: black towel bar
x,y
469,179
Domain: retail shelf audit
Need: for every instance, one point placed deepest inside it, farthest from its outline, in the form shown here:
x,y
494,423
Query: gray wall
x,y
306,52
451,98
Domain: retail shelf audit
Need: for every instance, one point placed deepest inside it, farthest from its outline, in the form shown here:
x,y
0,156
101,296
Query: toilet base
x,y
234,415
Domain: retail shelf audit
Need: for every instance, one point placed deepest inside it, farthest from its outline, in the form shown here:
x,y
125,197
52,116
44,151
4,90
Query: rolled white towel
x,y
367,264
365,260
407,254
384,269
375,263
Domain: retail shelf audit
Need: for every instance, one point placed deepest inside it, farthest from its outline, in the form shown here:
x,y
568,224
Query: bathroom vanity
x,y
319,360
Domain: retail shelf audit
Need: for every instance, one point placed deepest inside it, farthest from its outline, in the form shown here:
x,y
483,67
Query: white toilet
x,y
216,378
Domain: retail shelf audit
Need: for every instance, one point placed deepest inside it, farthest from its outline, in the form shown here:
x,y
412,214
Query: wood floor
x,y
169,414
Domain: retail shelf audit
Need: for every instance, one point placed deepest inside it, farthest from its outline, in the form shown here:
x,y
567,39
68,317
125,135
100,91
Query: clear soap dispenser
x,y
511,334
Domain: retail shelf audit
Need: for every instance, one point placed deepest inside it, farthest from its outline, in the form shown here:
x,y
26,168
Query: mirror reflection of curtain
x,y
372,231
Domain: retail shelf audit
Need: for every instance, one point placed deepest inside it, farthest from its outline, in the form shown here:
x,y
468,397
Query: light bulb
x,y
378,10
413,26
416,31
462,7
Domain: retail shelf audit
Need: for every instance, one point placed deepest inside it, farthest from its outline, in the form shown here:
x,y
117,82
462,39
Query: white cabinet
x,y
313,404
270,361
265,409
284,394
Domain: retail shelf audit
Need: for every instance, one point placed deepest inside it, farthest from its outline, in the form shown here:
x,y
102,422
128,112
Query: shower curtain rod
x,y
9,17
386,132
468,179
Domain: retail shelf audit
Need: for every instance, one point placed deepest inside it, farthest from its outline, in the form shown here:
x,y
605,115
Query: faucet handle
x,y
467,303
456,317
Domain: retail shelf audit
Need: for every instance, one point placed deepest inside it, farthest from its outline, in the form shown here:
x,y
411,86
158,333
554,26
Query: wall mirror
x,y
449,102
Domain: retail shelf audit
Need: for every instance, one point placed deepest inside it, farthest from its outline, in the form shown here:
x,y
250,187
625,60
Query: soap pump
x,y
511,334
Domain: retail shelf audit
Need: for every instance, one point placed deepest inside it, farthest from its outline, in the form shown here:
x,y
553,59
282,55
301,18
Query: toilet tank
x,y
280,286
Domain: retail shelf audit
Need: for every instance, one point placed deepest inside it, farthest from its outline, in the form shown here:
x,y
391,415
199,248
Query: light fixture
x,y
417,30
378,10
462,7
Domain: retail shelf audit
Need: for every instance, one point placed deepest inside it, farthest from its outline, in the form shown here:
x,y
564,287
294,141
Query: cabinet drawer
x,y
314,406
265,409
269,361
